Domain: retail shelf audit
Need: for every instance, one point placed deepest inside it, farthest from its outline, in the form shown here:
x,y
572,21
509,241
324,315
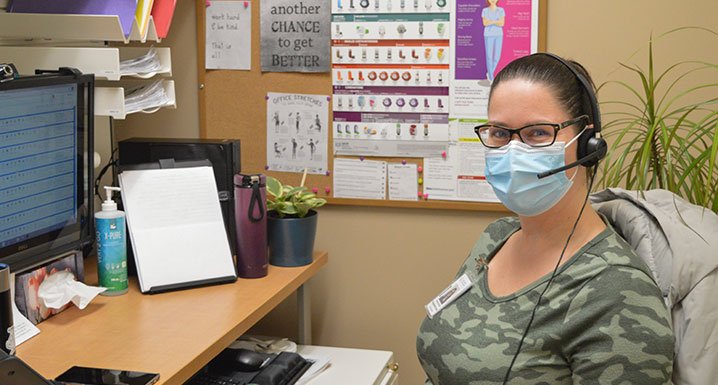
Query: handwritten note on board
x,y
228,26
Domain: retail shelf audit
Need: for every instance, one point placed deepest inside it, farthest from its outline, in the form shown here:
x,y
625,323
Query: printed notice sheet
x,y
459,176
24,329
297,132
402,181
229,35
354,178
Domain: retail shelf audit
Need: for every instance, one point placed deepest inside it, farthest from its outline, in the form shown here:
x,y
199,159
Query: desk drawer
x,y
354,366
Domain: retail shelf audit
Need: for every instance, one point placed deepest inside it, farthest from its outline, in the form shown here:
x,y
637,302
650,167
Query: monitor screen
x,y
45,168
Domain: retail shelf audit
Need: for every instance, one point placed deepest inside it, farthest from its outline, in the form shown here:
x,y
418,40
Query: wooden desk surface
x,y
174,334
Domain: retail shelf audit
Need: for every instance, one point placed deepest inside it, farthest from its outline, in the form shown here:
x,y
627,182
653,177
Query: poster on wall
x,y
228,28
297,132
487,35
295,36
390,72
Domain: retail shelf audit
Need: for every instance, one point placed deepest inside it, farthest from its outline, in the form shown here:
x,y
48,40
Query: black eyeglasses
x,y
535,135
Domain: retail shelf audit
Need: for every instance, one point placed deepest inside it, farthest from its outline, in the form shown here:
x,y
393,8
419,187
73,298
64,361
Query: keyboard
x,y
211,379
285,368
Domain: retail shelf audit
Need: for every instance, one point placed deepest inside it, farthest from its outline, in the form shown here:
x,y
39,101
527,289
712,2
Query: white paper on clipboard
x,y
175,224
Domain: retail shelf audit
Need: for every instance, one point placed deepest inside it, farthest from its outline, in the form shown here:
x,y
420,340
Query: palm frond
x,y
664,133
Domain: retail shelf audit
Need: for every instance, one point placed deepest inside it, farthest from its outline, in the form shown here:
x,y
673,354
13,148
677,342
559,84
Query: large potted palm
x,y
291,223
664,133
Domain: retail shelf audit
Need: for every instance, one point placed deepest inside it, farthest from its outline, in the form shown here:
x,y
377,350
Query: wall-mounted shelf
x,y
163,54
103,62
49,41
71,27
110,101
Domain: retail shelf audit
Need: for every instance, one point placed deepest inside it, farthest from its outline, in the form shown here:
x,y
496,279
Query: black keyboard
x,y
285,368
210,379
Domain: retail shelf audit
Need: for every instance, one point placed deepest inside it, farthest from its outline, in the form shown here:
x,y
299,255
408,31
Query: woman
x,y
493,19
601,318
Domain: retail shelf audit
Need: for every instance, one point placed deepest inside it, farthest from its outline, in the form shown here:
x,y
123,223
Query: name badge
x,y
449,295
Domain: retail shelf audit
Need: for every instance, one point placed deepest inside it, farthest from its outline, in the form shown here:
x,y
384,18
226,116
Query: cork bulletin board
x,y
232,105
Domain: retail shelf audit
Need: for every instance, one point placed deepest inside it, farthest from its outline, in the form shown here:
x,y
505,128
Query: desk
x,y
173,333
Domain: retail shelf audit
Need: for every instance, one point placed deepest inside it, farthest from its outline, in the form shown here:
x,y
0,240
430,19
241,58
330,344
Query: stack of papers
x,y
147,98
176,227
145,66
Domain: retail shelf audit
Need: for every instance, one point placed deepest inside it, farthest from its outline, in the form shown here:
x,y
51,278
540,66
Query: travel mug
x,y
7,330
250,212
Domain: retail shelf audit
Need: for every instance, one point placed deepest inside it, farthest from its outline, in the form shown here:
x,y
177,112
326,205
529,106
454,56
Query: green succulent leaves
x,y
288,201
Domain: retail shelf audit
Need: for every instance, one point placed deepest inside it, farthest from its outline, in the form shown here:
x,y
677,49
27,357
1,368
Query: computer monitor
x,y
46,167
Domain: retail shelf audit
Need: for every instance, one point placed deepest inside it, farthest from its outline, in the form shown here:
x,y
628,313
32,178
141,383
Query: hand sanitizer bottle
x,y
111,246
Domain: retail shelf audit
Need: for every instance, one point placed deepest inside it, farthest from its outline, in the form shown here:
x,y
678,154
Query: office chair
x,y
678,242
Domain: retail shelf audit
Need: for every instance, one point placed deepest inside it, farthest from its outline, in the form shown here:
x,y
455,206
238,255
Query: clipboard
x,y
175,225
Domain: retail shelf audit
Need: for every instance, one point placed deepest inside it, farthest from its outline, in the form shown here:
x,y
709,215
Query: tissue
x,y
60,287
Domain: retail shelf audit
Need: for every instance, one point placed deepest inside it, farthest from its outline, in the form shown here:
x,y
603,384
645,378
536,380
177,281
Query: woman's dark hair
x,y
560,80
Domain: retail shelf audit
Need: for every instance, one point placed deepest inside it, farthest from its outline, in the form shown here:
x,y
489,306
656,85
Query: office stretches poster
x,y
297,132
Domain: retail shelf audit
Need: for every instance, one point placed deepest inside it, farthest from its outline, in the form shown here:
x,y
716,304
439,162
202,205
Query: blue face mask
x,y
511,171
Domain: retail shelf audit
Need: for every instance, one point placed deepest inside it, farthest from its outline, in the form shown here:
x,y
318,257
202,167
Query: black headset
x,y
591,146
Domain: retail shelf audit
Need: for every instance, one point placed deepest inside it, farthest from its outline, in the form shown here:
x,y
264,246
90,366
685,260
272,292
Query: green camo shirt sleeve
x,y
620,330
602,321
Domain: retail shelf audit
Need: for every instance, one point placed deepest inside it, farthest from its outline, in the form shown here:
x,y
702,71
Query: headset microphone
x,y
599,153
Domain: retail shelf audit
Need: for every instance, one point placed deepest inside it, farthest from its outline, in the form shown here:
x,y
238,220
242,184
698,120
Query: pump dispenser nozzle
x,y
109,204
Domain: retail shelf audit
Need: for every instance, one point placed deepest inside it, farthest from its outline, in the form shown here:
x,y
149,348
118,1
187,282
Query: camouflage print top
x,y
602,321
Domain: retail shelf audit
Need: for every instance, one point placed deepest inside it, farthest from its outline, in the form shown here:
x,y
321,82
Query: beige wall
x,y
385,264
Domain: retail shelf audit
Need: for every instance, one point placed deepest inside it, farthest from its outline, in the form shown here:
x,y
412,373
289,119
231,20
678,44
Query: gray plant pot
x,y
291,240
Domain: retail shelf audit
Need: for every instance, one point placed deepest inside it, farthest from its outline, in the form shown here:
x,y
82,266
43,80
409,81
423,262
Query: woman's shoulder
x,y
506,224
617,255
493,235
498,230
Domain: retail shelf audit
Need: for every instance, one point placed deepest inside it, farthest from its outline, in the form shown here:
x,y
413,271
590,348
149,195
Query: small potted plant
x,y
291,223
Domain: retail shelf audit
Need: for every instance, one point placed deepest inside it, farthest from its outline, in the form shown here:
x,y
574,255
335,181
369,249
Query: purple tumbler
x,y
250,212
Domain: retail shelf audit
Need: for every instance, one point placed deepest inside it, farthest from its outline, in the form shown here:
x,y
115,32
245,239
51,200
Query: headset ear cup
x,y
589,144
582,141
601,148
